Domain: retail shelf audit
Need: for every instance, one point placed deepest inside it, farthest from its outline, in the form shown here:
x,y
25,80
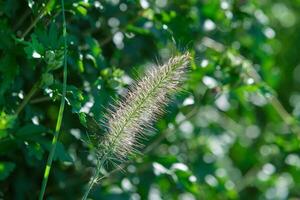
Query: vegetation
x,y
85,110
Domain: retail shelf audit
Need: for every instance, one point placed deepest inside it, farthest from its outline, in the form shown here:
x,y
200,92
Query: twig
x,y
35,21
22,19
40,99
28,97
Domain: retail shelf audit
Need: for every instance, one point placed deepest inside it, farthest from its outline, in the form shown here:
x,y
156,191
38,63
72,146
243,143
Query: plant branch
x,y
28,97
35,21
40,100
285,116
21,19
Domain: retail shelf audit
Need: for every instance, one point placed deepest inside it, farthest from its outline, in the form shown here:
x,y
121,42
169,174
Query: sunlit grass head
x,y
144,102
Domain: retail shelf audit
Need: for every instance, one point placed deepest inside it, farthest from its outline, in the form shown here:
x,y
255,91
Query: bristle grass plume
x,y
143,103
127,122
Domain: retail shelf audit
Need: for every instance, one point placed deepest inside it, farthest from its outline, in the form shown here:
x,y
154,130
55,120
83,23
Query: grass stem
x,y
93,180
61,111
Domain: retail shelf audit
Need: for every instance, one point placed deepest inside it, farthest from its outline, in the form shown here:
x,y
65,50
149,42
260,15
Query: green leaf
x,y
6,34
9,69
82,10
138,30
50,5
51,39
94,46
11,7
54,59
47,79
53,33
62,154
34,49
29,131
75,97
6,122
35,150
5,169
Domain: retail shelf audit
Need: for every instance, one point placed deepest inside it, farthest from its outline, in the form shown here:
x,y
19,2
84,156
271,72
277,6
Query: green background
x,y
231,133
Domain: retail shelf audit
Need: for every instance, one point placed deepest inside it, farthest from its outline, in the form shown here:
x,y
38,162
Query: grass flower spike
x,y
144,101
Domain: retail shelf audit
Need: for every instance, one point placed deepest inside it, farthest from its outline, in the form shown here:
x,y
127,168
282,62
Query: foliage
x,y
233,133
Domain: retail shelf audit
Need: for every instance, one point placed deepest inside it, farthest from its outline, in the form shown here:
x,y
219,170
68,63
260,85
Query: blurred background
x,y
232,133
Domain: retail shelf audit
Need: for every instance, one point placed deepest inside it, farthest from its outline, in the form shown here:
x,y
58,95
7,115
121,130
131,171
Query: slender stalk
x,y
93,180
21,19
285,116
28,97
61,111
108,154
35,21
40,100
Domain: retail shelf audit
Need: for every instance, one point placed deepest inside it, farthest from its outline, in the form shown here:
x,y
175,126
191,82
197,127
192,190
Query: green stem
x,y
21,19
35,21
28,97
61,111
285,116
40,100
95,177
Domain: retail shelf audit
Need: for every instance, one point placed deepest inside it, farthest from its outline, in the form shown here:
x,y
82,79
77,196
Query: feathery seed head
x,y
144,101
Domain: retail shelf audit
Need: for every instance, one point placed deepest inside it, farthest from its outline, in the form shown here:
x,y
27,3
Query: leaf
x,y
6,122
94,46
74,97
82,7
5,169
6,34
29,131
82,10
47,79
11,7
53,35
34,49
50,5
35,150
62,154
187,180
138,30
9,69
54,59
51,39
92,125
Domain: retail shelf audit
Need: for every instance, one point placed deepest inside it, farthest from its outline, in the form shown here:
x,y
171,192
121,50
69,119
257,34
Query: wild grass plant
x,y
128,120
